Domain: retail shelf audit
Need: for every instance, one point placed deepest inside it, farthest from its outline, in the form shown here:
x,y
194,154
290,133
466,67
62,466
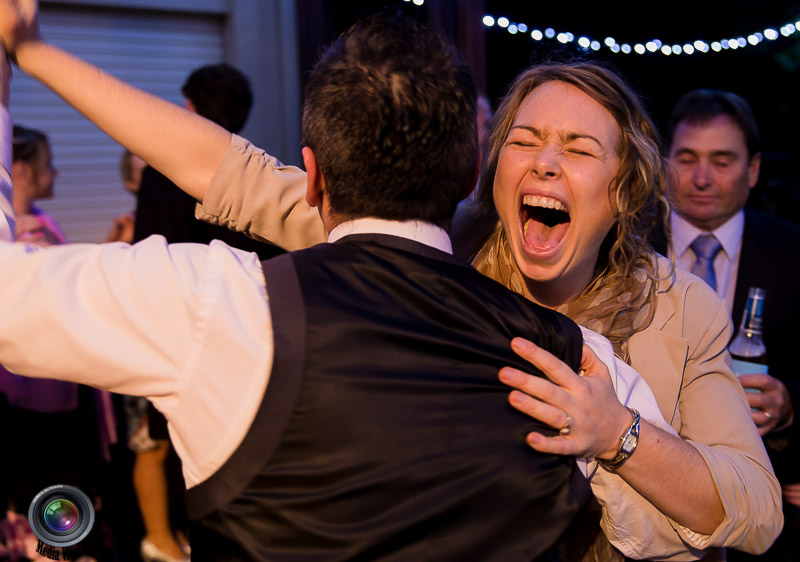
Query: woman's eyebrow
x,y
565,137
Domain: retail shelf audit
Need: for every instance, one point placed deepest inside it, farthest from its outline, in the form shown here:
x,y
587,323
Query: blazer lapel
x,y
660,358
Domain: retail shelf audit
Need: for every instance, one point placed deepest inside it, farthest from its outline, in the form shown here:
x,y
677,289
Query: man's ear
x,y
753,169
314,178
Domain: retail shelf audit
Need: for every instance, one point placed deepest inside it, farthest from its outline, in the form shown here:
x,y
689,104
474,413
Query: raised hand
x,y
19,23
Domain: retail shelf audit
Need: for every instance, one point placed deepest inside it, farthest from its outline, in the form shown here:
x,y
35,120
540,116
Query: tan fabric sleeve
x,y
714,417
252,192
716,420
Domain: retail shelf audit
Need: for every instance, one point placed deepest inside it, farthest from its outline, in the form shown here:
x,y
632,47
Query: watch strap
x,y
624,453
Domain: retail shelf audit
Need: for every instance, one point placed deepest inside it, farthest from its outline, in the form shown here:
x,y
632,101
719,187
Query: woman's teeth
x,y
545,202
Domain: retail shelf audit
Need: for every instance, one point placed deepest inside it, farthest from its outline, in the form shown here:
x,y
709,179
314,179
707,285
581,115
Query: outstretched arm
x,y
182,145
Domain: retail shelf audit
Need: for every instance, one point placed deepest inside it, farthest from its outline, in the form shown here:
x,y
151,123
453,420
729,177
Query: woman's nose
x,y
545,164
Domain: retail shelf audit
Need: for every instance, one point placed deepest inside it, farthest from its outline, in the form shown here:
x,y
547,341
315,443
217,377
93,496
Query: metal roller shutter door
x,y
152,50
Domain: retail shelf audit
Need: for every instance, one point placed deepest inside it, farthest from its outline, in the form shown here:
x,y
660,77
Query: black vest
x,y
384,433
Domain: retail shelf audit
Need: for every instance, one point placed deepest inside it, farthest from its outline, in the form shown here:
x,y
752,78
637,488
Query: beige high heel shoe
x,y
151,553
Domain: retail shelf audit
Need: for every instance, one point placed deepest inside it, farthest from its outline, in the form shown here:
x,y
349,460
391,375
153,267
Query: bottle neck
x,y
753,316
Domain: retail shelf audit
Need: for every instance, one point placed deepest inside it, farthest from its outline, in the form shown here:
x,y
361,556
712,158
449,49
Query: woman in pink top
x,y
33,174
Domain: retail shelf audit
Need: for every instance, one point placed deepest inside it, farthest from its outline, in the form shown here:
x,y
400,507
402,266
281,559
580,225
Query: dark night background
x,y
767,75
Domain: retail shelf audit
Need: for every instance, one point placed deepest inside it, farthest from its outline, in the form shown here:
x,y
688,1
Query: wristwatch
x,y
629,441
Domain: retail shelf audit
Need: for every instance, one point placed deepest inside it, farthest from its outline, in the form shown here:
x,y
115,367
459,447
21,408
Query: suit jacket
x,y
769,260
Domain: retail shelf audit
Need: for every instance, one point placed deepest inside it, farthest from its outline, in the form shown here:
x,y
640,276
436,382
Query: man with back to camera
x,y
341,401
715,152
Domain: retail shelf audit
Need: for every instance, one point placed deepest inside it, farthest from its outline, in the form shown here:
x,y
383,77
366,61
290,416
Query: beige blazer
x,y
682,355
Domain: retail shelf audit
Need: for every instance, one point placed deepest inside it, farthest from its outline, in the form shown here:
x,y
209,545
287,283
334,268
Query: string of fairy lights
x,y
698,46
652,46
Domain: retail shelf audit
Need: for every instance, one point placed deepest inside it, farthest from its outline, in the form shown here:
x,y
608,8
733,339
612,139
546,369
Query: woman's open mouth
x,y
545,222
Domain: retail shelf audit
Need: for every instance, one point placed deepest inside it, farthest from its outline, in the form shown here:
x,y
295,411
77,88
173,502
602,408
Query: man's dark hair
x,y
390,113
698,107
221,93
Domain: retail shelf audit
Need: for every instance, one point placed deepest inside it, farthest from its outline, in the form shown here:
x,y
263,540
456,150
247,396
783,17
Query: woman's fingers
x,y
542,411
553,368
558,445
535,386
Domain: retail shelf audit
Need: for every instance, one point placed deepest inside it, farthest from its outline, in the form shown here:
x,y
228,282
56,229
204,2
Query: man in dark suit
x,y
715,154
340,402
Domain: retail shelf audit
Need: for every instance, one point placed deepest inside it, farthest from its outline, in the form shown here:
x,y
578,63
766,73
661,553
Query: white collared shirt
x,y
419,231
726,262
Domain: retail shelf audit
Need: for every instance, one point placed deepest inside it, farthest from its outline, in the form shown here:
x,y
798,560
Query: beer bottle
x,y
747,349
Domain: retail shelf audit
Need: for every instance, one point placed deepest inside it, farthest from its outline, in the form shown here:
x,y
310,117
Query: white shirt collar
x,y
729,234
422,232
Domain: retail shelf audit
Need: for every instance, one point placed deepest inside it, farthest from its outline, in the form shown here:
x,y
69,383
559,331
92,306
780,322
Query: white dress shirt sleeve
x,y
632,390
186,325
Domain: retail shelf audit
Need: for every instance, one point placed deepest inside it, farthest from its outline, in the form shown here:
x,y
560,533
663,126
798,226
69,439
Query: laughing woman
x,y
575,173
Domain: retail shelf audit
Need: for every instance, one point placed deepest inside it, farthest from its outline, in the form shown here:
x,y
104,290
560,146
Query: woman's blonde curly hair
x,y
636,193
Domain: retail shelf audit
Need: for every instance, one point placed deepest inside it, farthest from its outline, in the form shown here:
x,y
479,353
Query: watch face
x,y
630,442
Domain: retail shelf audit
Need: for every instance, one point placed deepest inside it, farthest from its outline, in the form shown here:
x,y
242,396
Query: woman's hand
x,y
583,407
